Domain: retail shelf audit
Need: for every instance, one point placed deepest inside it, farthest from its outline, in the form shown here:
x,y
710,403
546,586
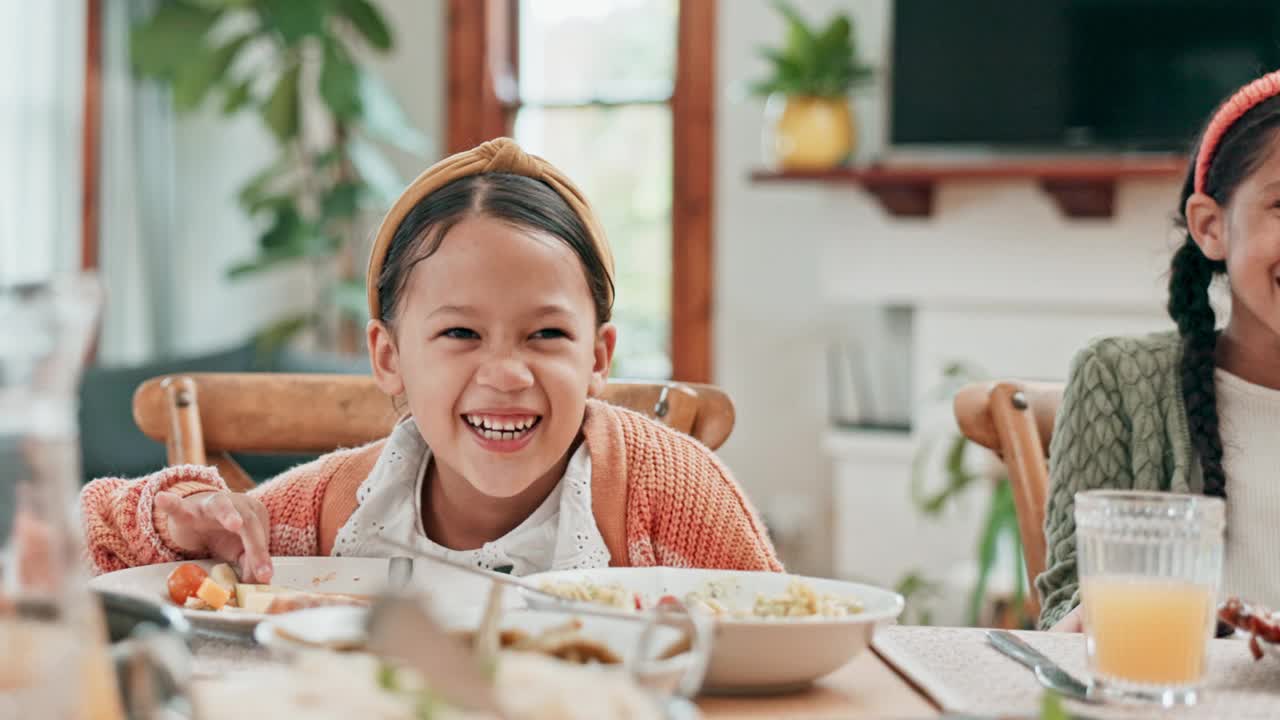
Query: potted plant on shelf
x,y
809,125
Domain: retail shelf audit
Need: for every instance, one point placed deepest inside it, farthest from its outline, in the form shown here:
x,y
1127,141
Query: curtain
x,y
136,186
41,105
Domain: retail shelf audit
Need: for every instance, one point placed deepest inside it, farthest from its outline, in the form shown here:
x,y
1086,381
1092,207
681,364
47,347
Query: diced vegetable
x,y
213,593
225,576
256,602
257,598
184,581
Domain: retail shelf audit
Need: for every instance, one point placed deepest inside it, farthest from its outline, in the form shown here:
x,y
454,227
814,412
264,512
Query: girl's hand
x,y
1072,622
232,527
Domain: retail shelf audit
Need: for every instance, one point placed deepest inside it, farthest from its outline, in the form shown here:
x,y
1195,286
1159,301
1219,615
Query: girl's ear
x,y
1206,221
385,358
606,340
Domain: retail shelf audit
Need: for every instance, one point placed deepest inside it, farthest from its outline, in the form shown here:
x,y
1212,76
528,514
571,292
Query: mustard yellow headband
x,y
502,155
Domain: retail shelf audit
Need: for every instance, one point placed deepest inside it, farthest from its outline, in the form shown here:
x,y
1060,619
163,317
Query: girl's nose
x,y
505,374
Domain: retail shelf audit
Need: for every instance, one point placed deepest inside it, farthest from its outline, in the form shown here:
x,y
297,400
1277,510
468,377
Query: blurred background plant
x,y
301,66
960,473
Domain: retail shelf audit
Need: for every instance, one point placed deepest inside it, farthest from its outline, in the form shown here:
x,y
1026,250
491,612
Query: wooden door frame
x,y
91,137
482,37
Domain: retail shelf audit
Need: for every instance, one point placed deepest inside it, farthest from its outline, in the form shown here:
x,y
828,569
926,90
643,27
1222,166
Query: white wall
x,y
996,277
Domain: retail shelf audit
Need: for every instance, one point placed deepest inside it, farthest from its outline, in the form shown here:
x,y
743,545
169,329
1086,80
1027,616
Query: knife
x,y
1049,673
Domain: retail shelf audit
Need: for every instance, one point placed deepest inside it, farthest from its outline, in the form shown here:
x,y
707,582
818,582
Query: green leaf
x,y
342,200
987,546
366,18
375,170
268,202
261,263
194,79
255,189
164,43
219,4
339,83
285,234
1051,707
296,19
237,96
278,334
387,676
281,110
383,117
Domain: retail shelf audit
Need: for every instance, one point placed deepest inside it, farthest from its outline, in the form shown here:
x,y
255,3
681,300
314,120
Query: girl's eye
x,y
550,334
458,333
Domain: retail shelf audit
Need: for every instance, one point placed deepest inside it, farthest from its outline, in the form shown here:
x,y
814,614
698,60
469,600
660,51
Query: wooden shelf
x,y
1081,187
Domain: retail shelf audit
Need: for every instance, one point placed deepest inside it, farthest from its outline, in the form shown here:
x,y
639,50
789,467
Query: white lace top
x,y
561,534
1248,416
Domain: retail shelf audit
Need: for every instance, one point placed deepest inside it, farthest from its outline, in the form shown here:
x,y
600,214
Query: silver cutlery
x,y
1047,672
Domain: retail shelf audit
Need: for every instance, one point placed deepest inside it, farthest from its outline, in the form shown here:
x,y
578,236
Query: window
x,y
594,97
592,87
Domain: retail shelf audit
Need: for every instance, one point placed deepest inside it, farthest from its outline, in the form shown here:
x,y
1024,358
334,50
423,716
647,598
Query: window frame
x,y
483,40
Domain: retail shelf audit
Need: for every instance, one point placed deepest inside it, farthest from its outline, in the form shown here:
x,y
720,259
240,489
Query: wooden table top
x,y
865,688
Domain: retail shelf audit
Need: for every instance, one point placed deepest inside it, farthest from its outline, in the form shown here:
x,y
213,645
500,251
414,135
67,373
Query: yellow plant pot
x,y
808,133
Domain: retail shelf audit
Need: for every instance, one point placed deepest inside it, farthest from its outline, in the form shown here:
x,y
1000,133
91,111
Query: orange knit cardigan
x,y
659,498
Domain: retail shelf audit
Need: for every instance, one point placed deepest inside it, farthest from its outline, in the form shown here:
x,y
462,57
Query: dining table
x,y
930,672
912,671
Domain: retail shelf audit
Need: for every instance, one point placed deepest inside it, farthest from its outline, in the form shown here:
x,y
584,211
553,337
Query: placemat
x,y
963,674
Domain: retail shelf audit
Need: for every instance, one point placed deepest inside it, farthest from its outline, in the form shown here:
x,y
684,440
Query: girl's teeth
x,y
497,429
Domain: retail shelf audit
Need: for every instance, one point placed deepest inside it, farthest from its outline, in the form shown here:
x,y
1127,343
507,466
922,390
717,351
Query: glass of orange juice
x,y
1150,564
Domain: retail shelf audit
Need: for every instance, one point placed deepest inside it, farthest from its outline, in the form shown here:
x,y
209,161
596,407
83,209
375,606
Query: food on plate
x,y
1256,620
184,581
322,685
717,598
213,594
220,589
563,642
799,600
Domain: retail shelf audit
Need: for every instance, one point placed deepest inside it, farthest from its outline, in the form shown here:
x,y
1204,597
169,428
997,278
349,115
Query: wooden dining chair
x,y
1015,420
203,417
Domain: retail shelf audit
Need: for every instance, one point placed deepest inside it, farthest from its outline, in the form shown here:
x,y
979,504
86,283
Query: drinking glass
x,y
1150,564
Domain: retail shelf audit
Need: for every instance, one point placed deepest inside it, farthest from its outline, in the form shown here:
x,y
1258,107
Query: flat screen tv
x,y
1062,75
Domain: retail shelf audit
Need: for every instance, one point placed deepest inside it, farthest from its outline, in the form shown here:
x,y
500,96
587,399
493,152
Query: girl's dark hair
x,y
1242,149
516,199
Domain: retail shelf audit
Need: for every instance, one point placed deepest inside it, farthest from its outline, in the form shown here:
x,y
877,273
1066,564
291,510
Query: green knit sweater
x,y
1122,425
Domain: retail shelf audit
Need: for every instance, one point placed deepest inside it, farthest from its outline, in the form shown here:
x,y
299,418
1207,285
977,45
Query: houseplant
x,y
1000,524
809,124
294,64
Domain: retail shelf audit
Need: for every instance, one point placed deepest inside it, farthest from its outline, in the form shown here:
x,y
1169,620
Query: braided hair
x,y
1239,153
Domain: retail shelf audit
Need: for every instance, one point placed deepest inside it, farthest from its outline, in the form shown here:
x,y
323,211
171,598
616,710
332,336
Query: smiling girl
x,y
1194,411
491,288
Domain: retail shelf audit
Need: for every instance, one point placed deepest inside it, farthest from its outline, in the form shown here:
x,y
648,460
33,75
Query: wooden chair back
x,y
203,417
1015,420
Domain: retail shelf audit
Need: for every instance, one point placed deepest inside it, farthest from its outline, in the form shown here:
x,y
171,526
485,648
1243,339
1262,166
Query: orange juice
x,y
1147,630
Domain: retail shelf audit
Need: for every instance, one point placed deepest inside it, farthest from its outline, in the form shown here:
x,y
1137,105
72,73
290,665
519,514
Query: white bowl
x,y
755,655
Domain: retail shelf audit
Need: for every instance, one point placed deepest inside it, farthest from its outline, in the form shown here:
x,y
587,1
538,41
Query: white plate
x,y
451,589
308,630
756,655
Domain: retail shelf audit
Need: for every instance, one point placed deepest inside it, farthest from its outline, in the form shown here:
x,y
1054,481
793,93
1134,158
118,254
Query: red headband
x,y
1245,99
